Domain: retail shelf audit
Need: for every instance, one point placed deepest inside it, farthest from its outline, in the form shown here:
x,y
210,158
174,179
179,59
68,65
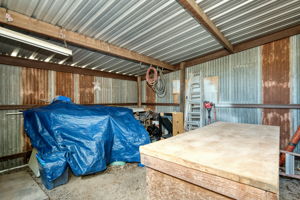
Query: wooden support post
x,y
182,87
139,91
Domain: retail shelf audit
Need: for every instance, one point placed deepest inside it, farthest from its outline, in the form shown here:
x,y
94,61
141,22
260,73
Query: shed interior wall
x,y
31,86
241,81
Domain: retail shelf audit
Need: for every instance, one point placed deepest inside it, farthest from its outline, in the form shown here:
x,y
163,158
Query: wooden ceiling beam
x,y
21,62
36,26
192,7
245,45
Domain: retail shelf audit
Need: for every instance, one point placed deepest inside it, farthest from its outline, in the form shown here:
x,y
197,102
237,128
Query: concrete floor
x,y
126,183
117,182
20,186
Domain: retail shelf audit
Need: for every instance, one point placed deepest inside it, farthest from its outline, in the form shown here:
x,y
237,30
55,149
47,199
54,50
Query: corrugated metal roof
x,y
243,20
161,29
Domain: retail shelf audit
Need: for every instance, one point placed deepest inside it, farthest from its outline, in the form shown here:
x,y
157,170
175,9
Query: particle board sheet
x,y
243,153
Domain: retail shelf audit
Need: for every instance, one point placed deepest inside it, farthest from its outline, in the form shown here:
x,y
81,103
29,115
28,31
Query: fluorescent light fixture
x,y
34,42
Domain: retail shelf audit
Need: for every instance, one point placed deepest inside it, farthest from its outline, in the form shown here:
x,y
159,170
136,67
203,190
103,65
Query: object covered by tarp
x,y
87,137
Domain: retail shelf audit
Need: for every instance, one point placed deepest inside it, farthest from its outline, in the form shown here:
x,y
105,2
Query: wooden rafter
x,y
192,7
33,25
21,62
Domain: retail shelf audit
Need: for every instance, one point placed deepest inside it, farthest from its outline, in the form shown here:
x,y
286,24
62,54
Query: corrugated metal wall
x,y
64,84
115,91
239,82
295,79
23,86
169,97
11,136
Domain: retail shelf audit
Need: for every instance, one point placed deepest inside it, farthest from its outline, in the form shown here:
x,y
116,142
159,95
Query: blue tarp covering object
x,y
86,138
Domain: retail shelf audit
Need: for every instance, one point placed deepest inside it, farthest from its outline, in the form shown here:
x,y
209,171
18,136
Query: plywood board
x,y
177,122
219,185
162,186
244,153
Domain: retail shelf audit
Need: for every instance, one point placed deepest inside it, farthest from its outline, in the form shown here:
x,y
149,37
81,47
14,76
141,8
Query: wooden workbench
x,y
219,161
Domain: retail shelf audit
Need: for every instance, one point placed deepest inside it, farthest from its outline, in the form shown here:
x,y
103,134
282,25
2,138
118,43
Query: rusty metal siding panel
x,y
65,84
34,86
86,89
10,85
276,86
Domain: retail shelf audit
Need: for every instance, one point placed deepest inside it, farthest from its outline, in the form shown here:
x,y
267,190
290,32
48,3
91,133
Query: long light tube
x,y
34,42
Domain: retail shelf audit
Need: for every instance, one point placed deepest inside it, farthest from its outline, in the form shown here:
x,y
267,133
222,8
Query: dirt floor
x,y
117,182
289,189
128,183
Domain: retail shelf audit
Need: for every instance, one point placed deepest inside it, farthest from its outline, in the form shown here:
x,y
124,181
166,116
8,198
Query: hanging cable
x,y
155,78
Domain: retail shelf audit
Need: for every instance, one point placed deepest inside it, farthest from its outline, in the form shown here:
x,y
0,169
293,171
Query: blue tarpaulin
x,y
86,138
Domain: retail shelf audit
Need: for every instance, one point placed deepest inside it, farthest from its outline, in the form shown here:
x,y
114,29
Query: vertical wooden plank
x,y
182,86
276,86
86,89
139,91
65,84
34,86
177,122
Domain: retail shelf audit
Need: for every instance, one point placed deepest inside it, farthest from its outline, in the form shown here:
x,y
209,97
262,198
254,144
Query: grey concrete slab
x,y
20,186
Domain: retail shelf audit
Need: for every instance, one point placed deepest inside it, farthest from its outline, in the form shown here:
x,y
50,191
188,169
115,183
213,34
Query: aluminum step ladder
x,y
194,103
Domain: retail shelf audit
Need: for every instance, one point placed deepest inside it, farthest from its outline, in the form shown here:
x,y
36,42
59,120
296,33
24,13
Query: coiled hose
x,y
157,81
